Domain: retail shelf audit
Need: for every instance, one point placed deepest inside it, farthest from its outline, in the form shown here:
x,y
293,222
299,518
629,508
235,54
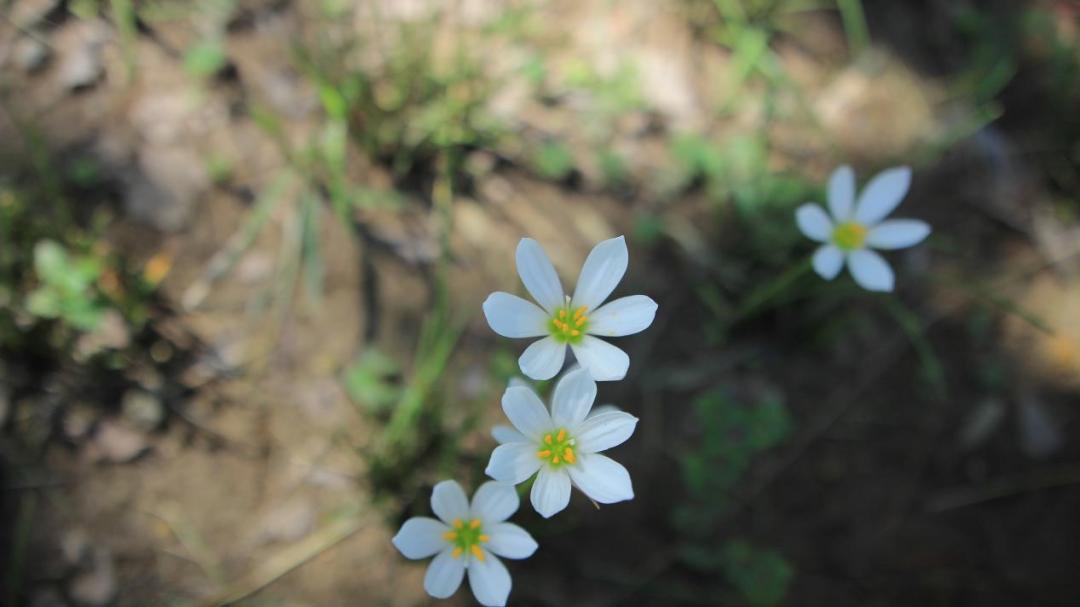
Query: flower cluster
x,y
560,448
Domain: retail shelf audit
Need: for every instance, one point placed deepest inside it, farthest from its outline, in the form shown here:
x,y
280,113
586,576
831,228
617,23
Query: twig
x,y
845,400
287,560
1011,486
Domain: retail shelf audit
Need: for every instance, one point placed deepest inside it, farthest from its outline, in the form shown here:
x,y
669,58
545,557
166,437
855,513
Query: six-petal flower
x,y
854,228
564,321
562,448
466,537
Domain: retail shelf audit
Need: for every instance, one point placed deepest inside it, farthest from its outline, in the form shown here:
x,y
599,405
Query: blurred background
x,y
244,244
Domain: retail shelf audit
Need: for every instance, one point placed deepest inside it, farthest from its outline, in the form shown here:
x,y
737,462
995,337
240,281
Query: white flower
x,y
465,538
563,446
571,321
855,228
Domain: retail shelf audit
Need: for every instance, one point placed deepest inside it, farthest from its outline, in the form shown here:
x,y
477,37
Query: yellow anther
x,y
484,538
575,333
546,453
568,455
562,435
474,524
547,438
555,459
450,536
579,312
562,313
477,552
580,321
458,524
456,553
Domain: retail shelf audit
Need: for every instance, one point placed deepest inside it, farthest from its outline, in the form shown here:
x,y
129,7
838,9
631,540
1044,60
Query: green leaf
x,y
44,302
83,314
50,262
371,381
334,103
205,59
553,160
761,575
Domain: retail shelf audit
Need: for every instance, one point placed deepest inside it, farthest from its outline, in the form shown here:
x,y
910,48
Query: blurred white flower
x,y
466,538
571,321
855,228
563,446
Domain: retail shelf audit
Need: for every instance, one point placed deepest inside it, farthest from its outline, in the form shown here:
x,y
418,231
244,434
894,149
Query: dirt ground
x,y
257,491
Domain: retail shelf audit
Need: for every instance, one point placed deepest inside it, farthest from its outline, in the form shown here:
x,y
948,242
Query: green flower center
x,y
466,538
558,448
568,326
849,235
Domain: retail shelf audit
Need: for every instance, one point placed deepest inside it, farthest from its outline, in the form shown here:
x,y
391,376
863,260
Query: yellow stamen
x,y
458,524
562,435
484,538
456,553
546,453
568,455
575,333
580,321
477,552
450,536
579,312
547,438
555,459
562,313
474,524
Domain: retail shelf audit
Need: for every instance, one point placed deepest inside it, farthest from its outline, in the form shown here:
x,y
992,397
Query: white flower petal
x,y
516,381
601,478
827,261
897,234
550,492
882,194
420,537
507,434
510,541
511,316
813,222
448,501
604,408
513,462
624,316
604,431
527,412
603,269
494,502
841,193
543,359
572,399
444,575
604,361
539,275
870,270
489,580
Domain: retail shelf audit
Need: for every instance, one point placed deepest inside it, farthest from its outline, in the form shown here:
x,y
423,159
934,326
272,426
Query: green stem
x,y
754,303
915,330
858,34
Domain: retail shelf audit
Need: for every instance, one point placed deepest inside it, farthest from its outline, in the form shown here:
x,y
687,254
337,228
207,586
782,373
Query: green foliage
x,y
553,160
732,435
759,574
372,381
613,95
206,58
66,290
